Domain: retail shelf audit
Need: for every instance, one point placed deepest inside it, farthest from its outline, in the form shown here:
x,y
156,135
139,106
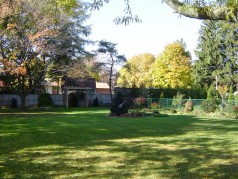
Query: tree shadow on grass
x,y
90,145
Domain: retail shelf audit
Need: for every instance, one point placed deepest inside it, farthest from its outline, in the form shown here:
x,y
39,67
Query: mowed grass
x,y
85,143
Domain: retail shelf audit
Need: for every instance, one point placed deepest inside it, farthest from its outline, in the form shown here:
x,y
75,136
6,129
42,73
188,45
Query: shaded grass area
x,y
85,143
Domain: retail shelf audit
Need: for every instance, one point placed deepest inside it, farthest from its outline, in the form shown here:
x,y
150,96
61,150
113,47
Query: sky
x,y
160,26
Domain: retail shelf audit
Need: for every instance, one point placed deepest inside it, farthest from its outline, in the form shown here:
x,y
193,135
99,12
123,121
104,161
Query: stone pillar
x,y
66,98
86,98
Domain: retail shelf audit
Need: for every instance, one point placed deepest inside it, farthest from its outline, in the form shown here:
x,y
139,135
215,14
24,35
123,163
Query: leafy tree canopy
x,y
172,68
136,72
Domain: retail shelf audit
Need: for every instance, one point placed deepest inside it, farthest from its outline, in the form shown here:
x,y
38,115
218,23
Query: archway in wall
x,y
80,87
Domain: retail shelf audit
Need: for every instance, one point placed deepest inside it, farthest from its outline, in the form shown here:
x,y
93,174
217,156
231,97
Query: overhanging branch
x,y
204,13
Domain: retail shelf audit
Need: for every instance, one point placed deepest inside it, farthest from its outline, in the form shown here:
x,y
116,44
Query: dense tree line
x,y
171,69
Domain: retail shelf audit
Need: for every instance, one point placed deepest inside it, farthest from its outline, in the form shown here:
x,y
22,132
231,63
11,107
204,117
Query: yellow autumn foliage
x,y
172,68
136,72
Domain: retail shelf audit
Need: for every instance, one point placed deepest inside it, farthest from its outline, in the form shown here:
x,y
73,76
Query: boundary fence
x,y
58,99
103,99
170,103
31,100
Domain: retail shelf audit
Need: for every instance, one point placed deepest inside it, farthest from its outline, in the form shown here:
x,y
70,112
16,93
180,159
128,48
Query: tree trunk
x,y
110,77
110,84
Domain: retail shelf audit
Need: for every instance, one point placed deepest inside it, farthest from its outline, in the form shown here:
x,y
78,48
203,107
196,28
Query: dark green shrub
x,y
118,105
95,102
210,105
129,102
44,99
178,100
13,103
212,93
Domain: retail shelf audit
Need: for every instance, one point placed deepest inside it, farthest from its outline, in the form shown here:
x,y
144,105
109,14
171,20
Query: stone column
x,y
66,98
86,98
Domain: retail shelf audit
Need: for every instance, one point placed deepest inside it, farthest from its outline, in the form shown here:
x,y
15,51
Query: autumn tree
x,y
201,9
73,41
136,72
84,68
32,34
172,68
110,57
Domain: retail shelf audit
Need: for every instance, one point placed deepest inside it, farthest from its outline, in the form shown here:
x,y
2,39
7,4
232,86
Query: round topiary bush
x,y
210,105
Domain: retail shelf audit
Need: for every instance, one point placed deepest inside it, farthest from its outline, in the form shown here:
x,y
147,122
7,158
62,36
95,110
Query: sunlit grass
x,y
85,143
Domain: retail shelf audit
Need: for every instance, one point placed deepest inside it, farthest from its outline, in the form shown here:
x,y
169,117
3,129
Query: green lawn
x,y
84,143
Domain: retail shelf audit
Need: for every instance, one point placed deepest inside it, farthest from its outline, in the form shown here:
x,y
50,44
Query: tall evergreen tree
x,y
217,54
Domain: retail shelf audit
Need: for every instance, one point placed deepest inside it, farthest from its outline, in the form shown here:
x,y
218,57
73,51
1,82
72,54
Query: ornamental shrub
x,y
235,110
154,105
118,105
230,94
212,93
188,106
178,100
210,105
140,102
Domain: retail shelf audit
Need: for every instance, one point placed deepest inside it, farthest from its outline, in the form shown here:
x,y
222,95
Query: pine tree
x,y
217,54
